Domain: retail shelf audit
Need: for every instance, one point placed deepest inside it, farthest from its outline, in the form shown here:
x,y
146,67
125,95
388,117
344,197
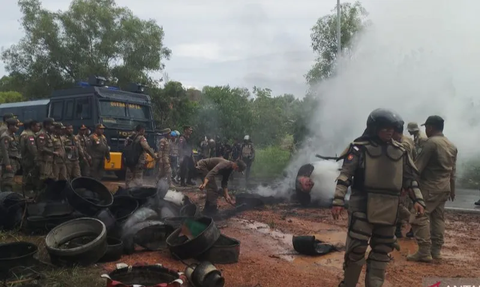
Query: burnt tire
x,y
82,254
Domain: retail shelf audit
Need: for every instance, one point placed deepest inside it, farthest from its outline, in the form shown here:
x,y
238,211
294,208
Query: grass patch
x,y
270,162
50,276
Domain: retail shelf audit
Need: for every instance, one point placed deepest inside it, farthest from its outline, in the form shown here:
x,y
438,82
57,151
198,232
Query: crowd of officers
x,y
49,150
392,178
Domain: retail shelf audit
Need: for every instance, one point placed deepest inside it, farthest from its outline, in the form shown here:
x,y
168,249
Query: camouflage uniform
x,y
99,151
73,152
45,154
59,167
135,175
84,145
248,156
164,168
28,150
9,146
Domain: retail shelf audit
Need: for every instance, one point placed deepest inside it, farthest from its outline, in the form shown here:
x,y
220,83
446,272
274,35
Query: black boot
x,y
398,231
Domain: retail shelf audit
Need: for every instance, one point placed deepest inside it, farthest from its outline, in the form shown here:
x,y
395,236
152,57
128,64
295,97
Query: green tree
x,y
225,112
10,97
92,37
353,19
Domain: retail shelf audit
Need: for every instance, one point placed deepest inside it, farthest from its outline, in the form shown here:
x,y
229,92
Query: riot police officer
x,y
377,168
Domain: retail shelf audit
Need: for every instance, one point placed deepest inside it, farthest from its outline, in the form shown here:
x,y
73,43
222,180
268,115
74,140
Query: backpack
x,y
131,152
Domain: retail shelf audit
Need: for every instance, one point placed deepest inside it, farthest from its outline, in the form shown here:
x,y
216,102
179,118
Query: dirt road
x,y
268,259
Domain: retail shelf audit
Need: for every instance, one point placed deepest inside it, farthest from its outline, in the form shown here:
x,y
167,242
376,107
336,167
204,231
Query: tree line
x,y
98,37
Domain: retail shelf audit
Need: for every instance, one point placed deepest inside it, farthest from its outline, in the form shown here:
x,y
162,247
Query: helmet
x,y
173,134
381,118
177,133
412,127
246,138
399,125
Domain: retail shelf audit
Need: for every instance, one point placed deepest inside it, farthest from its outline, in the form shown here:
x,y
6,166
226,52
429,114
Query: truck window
x,y
69,109
138,111
57,110
113,109
83,109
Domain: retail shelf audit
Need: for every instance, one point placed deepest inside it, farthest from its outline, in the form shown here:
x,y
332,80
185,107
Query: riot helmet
x,y
399,125
381,118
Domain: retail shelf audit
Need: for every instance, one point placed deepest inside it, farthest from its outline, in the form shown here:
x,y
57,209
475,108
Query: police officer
x,y
84,145
74,152
164,165
28,151
436,164
248,155
135,175
9,146
3,125
99,151
44,140
59,166
419,138
380,169
210,168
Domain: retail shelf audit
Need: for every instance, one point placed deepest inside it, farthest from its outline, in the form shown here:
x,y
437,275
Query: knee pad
x,y
356,251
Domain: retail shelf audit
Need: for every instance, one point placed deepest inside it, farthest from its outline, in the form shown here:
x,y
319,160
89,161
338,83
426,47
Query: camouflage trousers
x,y
73,169
84,168
164,170
59,171
46,170
134,176
97,169
9,175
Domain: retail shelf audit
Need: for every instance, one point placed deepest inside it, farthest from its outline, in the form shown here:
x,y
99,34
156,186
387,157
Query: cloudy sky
x,y
245,43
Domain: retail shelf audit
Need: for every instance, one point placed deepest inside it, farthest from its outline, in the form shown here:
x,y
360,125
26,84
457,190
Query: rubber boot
x,y
351,273
375,275
436,254
422,255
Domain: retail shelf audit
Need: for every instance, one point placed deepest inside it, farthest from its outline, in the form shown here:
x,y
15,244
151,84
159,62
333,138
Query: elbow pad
x,y
343,180
416,194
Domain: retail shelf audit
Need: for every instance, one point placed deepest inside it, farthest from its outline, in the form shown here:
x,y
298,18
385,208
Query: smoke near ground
x,y
418,58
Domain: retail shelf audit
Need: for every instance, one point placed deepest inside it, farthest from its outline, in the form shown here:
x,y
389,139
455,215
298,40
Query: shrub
x,y
270,162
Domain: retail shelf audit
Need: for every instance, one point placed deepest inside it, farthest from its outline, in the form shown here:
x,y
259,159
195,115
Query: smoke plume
x,y
419,58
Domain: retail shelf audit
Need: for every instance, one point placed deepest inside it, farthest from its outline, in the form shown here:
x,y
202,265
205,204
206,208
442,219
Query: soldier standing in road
x,y
85,144
419,138
211,167
99,151
59,166
9,146
46,153
74,153
164,166
174,155
377,168
248,156
135,175
185,154
436,164
28,151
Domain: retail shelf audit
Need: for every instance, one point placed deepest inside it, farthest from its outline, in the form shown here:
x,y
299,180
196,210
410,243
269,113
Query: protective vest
x,y
381,178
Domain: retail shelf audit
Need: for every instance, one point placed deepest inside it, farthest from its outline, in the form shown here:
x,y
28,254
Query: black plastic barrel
x,y
88,196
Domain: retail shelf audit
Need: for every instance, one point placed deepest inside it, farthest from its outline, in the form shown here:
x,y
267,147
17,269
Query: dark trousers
x,y
174,165
248,162
186,169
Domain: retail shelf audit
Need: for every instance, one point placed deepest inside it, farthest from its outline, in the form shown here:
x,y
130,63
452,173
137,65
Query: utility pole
x,y
339,41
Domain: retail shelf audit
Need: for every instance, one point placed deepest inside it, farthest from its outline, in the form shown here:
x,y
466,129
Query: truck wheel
x,y
121,174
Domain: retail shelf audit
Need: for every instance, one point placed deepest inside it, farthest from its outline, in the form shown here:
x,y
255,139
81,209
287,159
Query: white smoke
x,y
419,58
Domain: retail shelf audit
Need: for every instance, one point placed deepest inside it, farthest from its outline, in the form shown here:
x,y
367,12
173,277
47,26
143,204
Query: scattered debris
x,y
204,275
308,245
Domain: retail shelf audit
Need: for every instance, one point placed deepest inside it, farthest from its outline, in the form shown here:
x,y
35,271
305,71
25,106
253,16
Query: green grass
x,y
270,162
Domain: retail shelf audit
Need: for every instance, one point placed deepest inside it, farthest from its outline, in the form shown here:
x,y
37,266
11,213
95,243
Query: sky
x,y
261,43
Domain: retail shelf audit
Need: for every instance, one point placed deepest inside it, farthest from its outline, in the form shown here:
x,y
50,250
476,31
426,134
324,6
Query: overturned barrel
x,y
88,196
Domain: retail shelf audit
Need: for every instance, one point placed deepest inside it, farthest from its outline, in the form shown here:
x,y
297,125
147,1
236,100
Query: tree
x,y
93,37
10,97
353,19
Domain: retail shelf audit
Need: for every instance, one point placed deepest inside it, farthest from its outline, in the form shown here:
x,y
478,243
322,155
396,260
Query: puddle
x,y
284,248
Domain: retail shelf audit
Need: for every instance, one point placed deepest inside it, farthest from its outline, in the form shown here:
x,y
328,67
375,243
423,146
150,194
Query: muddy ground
x,y
268,259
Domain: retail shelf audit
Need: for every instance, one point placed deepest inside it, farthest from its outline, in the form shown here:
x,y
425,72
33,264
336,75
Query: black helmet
x,y
400,123
381,118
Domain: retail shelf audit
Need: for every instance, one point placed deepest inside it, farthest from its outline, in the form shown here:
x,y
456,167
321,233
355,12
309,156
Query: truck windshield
x,y
125,115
